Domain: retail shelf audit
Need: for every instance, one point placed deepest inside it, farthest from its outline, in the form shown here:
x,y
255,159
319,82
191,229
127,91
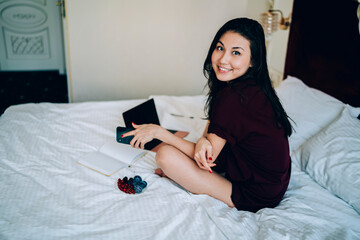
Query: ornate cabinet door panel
x,y
31,36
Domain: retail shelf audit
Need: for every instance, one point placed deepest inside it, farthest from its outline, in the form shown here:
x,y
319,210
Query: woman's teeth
x,y
224,69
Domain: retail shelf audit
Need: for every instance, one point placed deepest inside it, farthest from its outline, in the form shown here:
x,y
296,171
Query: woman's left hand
x,y
142,134
203,154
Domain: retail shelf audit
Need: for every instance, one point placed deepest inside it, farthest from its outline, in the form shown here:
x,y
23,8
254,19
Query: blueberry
x,y
136,179
138,189
142,184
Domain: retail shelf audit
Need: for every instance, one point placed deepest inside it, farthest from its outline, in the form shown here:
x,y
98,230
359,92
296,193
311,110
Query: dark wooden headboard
x,y
324,47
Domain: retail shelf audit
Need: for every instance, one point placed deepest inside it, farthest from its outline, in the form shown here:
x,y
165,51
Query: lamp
x,y
270,21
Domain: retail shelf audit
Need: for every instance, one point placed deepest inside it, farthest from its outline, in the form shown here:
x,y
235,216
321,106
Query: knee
x,y
163,155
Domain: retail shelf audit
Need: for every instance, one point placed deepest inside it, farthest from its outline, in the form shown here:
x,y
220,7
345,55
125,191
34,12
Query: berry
x,y
125,179
138,189
142,184
131,185
137,179
124,186
131,180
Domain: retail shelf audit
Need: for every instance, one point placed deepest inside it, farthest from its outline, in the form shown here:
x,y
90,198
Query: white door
x,y
31,36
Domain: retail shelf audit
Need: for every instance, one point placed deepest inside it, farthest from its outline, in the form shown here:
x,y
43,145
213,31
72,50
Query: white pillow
x,y
187,106
194,125
332,158
310,109
184,113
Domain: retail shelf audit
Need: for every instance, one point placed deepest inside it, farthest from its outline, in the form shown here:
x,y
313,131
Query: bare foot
x,y
160,172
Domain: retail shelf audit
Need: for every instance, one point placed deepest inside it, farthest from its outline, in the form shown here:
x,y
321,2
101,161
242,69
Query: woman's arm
x,y
207,148
146,132
217,144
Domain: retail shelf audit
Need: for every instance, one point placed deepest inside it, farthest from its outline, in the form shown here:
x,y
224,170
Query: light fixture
x,y
270,21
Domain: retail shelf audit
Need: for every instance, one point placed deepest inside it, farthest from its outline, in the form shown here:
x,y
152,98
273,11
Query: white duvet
x,y
45,194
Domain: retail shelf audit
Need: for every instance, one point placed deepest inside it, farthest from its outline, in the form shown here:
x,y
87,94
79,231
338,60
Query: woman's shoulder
x,y
247,86
243,91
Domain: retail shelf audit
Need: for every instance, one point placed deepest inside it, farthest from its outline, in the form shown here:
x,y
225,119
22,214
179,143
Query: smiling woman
x,y
246,139
231,56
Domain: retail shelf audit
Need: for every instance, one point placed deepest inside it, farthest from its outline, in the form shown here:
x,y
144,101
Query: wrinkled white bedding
x,y
45,194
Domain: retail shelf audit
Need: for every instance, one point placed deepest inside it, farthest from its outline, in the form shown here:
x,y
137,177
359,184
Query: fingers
x,y
142,135
130,133
209,154
197,159
203,154
212,164
139,142
201,160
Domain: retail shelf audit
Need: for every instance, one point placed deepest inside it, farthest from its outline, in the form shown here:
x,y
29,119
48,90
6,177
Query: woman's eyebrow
x,y
233,47
239,48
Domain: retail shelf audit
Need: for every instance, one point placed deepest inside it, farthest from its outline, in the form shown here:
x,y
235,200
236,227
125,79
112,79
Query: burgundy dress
x,y
256,157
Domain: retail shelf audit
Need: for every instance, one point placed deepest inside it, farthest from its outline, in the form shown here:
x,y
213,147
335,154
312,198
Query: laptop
x,y
145,113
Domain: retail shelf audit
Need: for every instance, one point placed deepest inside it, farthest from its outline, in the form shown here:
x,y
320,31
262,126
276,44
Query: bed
x,y
46,194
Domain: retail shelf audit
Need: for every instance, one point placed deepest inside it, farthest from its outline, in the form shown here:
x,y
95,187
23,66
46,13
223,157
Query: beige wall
x,y
277,46
125,49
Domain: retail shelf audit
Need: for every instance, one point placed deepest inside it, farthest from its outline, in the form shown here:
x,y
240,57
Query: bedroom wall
x,y
122,49
277,46
118,49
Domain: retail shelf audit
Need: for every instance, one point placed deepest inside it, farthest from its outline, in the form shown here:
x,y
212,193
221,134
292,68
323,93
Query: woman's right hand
x,y
143,134
203,154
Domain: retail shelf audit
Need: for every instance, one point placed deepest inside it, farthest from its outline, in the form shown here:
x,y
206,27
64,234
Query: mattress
x,y
46,194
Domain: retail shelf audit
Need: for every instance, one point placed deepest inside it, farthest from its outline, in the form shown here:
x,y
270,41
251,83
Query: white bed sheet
x,y
45,194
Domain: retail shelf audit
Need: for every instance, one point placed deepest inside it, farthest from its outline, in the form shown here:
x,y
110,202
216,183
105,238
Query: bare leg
x,y
183,170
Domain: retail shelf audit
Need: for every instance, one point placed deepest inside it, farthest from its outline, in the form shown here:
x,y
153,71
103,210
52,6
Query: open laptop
x,y
144,113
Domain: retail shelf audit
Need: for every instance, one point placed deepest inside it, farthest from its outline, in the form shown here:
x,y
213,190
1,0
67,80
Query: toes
x,y
160,172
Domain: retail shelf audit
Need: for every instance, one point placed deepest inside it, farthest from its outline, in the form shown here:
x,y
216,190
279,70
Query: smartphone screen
x,y
126,140
120,131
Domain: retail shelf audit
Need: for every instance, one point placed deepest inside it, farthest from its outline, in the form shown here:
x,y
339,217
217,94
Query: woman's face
x,y
231,57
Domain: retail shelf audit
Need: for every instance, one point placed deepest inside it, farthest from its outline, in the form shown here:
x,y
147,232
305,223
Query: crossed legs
x,y
183,170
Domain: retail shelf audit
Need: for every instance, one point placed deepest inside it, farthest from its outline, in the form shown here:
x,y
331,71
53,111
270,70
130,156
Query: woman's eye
x,y
236,53
219,48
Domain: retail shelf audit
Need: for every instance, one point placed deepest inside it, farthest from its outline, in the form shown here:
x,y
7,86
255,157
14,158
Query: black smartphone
x,y
126,140
120,131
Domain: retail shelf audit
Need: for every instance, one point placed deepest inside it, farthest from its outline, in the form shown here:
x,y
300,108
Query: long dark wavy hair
x,y
253,32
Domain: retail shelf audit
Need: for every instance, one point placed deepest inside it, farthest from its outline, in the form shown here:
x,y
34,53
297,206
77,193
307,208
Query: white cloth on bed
x,y
45,194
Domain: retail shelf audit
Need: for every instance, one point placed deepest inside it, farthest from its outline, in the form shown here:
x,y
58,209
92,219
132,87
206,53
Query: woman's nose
x,y
224,58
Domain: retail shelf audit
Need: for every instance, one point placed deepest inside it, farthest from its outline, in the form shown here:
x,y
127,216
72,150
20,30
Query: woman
x,y
246,137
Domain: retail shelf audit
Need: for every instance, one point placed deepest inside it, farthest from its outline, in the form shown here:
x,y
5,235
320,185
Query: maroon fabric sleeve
x,y
224,121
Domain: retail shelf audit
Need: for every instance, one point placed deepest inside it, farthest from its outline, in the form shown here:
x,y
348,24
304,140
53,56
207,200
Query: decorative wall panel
x,y
23,16
23,45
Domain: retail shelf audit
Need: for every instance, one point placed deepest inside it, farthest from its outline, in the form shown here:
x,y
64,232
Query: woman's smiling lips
x,y
223,70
